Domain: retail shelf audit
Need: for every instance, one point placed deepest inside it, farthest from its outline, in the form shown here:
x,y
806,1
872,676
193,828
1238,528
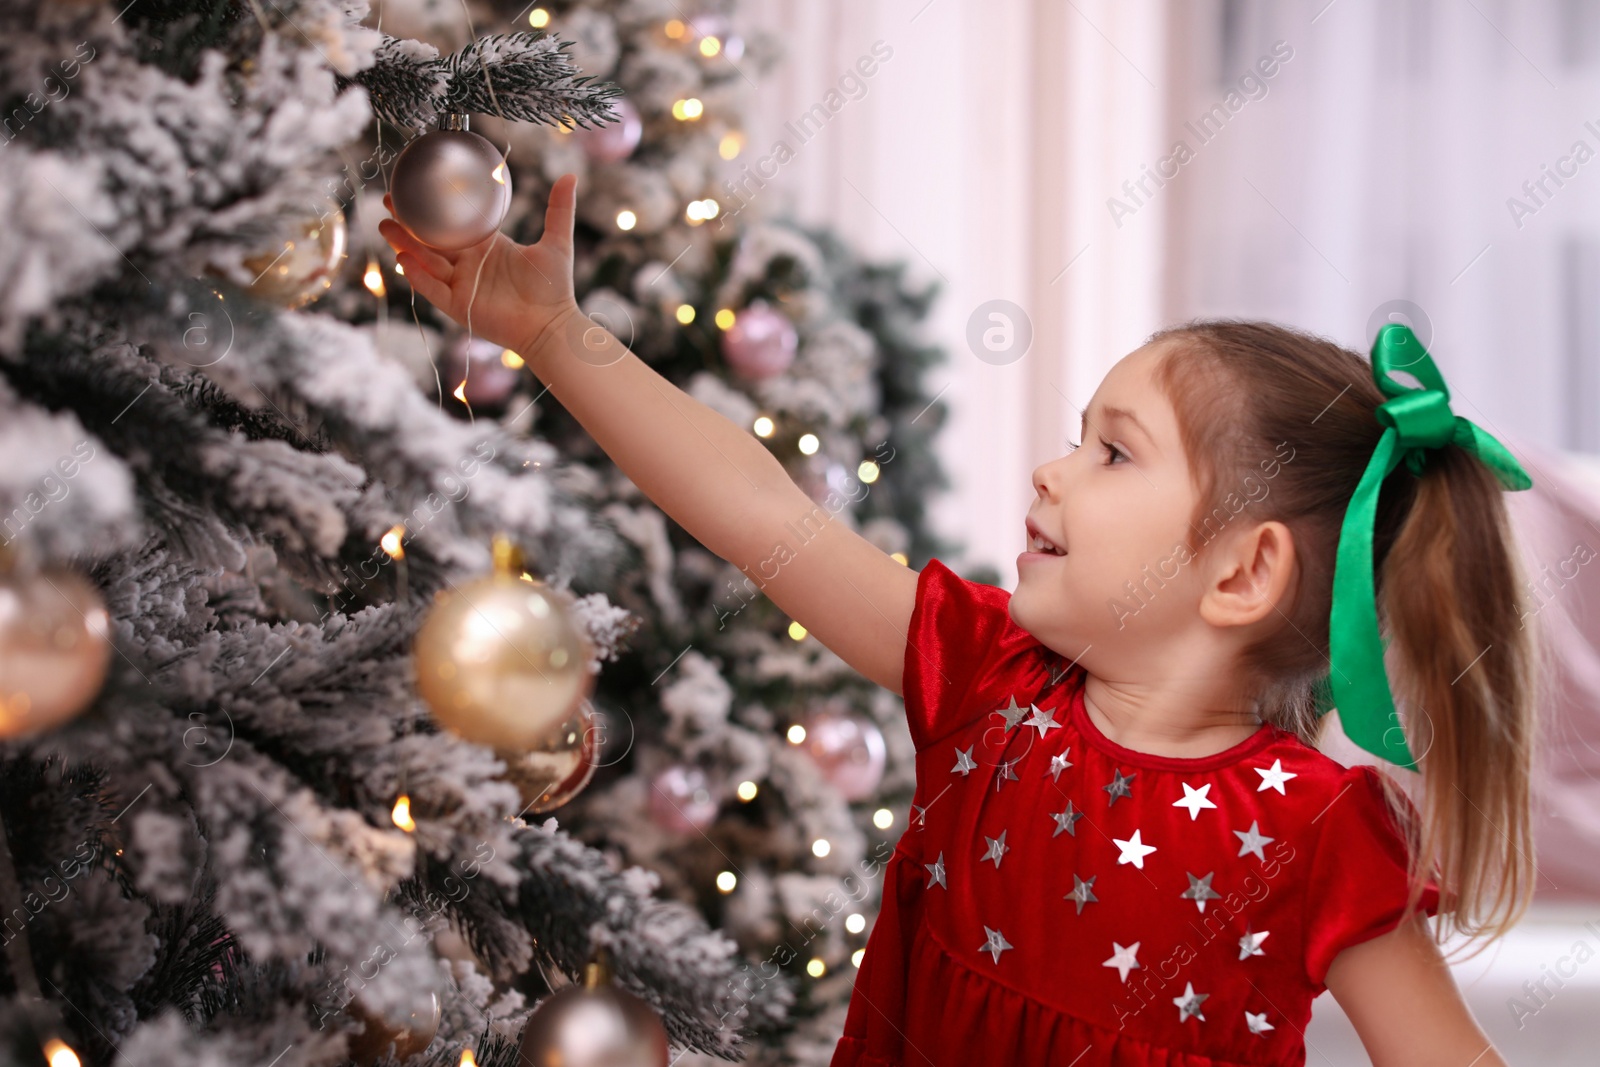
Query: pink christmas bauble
x,y
848,749
615,141
681,799
483,371
760,343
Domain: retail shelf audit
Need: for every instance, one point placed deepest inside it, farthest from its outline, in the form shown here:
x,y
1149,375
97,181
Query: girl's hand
x,y
506,293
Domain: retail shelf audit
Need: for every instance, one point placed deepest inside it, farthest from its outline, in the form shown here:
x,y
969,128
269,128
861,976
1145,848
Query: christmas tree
x,y
245,467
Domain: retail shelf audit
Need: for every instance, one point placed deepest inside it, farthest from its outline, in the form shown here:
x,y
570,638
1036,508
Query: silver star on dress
x,y
1059,763
1008,770
1082,892
1123,959
1066,820
1200,890
994,943
936,873
997,848
1273,777
1258,1023
920,819
1133,850
964,762
1194,800
1013,714
1251,841
1043,720
1250,944
1189,1003
1118,786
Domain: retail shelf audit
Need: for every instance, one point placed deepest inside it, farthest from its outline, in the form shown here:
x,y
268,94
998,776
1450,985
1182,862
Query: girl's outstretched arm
x,y
715,479
1403,1000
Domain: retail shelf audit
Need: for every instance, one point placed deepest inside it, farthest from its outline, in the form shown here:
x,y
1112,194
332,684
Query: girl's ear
x,y
1249,576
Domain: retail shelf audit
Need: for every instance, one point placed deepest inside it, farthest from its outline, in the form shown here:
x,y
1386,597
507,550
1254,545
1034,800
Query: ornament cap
x,y
455,120
507,557
597,972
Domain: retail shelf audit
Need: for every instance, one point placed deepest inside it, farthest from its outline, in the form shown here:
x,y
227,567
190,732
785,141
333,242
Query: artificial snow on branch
x,y
524,76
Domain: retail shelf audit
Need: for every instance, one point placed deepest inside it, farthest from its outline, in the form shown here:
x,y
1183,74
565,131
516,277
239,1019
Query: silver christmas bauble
x,y
594,1024
451,188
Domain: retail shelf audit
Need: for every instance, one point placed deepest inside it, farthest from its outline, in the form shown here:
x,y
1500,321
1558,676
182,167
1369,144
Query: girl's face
x,y
1119,506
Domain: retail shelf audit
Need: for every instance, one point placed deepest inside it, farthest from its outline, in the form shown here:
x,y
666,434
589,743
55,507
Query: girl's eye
x,y
1111,451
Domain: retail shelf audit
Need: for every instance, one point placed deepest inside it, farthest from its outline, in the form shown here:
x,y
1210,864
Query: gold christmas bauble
x,y
556,769
301,266
412,1036
500,662
55,646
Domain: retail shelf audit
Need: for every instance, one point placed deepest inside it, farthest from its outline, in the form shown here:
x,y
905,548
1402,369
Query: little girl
x,y
1124,847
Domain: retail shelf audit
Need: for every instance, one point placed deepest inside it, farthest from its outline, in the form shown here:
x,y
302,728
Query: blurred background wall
x,y
1108,168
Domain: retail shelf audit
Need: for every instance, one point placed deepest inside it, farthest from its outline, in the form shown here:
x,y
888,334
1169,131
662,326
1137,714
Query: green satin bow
x,y
1417,420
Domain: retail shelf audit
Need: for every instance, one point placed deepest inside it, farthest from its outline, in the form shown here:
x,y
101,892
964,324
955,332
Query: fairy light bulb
x,y
59,1054
538,18
816,968
402,814
460,391
797,734
808,443
730,145
393,542
900,558
747,790
868,471
855,922
373,279
626,220
685,313
883,818
725,318
512,360
727,881
467,1059
820,847
797,631
763,426
857,956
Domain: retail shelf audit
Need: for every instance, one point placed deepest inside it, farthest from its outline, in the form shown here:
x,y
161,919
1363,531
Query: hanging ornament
x,y
848,749
556,770
594,1024
450,187
301,266
760,343
614,141
681,799
499,659
480,373
377,1036
55,646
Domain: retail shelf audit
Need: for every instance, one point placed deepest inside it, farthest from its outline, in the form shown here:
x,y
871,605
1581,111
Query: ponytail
x,y
1468,673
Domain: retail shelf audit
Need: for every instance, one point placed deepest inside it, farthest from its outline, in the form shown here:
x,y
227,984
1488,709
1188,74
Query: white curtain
x,y
981,152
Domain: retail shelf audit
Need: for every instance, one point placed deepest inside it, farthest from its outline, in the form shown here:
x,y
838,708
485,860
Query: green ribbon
x,y
1416,421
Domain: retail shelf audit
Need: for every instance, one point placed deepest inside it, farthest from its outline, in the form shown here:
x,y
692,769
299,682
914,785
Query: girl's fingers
x,y
559,214
431,288
402,240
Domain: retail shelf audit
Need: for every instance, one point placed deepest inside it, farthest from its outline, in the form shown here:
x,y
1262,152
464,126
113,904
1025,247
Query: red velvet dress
x,y
1061,899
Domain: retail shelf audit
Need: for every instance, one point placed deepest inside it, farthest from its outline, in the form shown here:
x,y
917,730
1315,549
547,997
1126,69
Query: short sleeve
x,y
1358,881
960,630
